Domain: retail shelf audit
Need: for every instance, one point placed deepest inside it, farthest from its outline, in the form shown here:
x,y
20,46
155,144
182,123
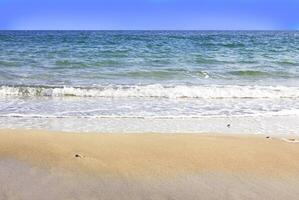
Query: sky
x,y
149,14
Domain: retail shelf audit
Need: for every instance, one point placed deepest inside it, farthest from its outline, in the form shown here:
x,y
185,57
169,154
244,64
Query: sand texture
x,y
52,165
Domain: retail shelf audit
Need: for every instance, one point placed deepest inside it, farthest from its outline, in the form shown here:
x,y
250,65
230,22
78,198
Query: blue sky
x,y
149,14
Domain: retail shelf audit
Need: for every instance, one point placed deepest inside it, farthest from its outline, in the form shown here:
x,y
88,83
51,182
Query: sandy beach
x,y
53,165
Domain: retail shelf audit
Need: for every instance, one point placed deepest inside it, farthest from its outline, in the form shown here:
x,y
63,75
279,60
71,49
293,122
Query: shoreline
x,y
272,125
210,165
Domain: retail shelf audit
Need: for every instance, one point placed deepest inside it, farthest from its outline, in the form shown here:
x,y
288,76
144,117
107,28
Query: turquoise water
x,y
147,74
90,58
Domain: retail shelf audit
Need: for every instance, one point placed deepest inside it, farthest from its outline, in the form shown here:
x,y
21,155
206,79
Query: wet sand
x,y
52,165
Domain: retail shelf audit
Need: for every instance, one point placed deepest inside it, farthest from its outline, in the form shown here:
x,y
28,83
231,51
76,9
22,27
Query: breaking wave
x,y
154,91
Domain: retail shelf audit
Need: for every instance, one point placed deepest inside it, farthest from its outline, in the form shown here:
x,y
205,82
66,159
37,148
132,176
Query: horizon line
x,y
149,29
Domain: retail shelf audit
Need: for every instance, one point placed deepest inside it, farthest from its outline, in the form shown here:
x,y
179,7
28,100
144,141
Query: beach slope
x,y
53,165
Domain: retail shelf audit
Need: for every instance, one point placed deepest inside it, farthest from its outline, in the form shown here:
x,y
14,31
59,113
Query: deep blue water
x,y
86,58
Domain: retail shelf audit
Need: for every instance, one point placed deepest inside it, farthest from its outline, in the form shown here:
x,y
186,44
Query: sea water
x,y
150,81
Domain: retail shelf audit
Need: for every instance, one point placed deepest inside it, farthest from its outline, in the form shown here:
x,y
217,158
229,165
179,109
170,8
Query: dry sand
x,y
44,165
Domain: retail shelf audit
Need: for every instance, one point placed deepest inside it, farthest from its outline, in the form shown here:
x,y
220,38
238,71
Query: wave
x,y
293,112
260,74
154,91
250,73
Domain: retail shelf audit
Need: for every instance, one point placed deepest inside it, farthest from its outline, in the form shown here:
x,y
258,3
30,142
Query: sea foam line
x,y
156,91
113,116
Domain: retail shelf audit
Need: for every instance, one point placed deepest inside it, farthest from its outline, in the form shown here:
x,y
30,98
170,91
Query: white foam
x,y
276,126
157,91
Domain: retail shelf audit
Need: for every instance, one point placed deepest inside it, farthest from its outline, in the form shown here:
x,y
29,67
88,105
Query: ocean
x,y
150,81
